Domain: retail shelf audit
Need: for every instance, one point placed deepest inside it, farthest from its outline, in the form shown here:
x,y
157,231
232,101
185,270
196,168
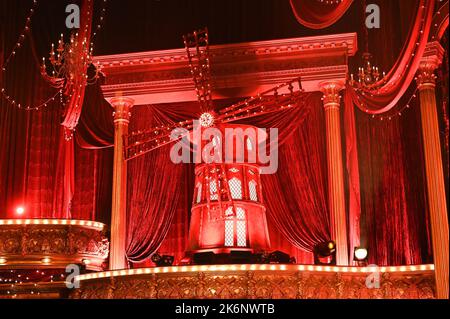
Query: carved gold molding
x,y
52,244
259,284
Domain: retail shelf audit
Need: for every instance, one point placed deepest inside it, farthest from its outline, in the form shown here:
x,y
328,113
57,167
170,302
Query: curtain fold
x,y
352,169
389,91
296,196
319,15
395,221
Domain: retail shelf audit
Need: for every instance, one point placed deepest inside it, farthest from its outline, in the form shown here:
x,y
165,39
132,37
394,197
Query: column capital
x,y
431,60
122,109
331,97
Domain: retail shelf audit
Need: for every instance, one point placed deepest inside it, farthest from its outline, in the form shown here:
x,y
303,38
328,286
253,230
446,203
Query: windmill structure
x,y
228,215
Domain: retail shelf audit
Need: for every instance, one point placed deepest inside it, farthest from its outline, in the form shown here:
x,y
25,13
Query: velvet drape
x,y
48,176
395,223
319,14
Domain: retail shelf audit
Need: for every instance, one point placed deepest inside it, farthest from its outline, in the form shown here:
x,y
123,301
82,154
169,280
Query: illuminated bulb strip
x,y
87,223
225,268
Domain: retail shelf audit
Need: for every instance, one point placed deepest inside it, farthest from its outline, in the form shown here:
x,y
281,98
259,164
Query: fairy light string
x,y
19,44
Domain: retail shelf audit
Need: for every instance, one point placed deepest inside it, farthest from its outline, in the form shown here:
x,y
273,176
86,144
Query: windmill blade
x,y
283,96
197,49
141,142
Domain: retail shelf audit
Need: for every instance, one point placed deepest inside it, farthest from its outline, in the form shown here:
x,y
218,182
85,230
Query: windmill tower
x,y
228,212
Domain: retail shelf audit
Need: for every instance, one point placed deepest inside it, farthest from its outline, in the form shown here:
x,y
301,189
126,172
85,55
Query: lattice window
x,y
229,232
241,233
229,212
235,188
199,192
235,227
240,213
213,190
252,190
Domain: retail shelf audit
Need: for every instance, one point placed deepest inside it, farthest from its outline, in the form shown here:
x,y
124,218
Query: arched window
x,y
252,190
235,228
235,188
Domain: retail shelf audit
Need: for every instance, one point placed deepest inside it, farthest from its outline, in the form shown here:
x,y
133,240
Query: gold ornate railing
x,y
259,282
52,243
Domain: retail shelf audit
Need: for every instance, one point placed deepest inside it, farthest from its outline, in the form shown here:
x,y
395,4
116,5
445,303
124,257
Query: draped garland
x,y
384,95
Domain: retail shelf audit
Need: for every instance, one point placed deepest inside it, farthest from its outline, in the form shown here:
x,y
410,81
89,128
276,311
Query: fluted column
x,y
336,194
122,113
426,81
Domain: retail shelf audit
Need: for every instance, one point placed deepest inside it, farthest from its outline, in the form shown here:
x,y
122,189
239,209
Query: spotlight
x,y
46,260
86,261
360,255
2,261
162,261
325,253
20,210
277,257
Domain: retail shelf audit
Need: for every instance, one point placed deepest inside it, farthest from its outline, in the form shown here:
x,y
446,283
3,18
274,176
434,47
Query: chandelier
x,y
368,75
68,61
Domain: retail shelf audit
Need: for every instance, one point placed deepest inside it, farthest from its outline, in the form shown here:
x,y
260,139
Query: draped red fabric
x,y
39,169
395,220
296,195
391,89
352,169
29,174
319,15
160,192
95,129
154,186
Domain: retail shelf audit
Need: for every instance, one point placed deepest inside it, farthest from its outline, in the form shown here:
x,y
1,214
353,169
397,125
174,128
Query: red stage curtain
x,y
315,14
395,211
296,195
29,175
34,158
353,176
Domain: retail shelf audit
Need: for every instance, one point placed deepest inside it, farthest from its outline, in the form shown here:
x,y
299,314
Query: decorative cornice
x,y
238,69
345,41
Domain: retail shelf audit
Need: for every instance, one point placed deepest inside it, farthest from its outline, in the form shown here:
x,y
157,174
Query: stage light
x,y
86,261
46,260
20,210
2,261
162,261
325,253
360,254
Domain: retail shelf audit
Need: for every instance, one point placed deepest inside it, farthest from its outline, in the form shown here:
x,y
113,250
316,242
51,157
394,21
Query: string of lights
x,y
387,82
19,44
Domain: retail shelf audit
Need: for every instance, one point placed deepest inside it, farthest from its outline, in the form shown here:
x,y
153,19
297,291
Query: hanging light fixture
x,y
68,60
